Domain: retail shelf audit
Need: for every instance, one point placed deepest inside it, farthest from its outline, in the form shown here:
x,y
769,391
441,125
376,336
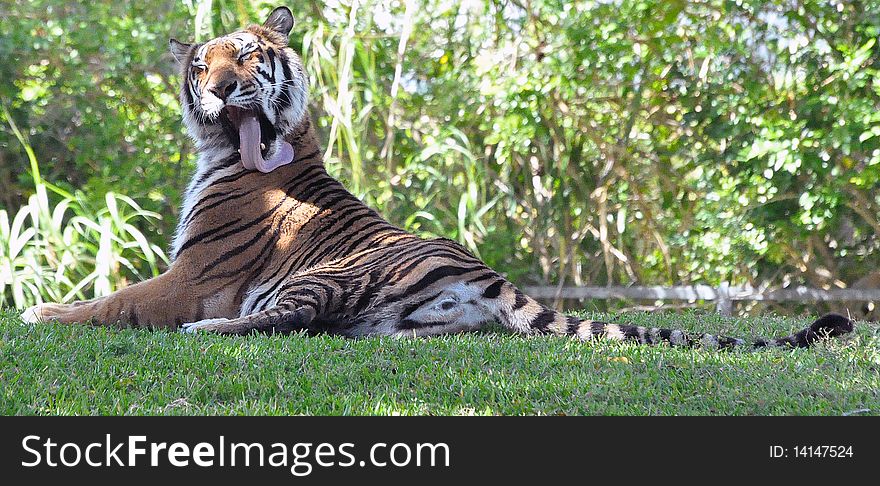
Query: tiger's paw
x,y
207,325
32,315
37,314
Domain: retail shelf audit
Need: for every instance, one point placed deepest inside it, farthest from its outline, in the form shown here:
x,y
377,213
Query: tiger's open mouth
x,y
251,132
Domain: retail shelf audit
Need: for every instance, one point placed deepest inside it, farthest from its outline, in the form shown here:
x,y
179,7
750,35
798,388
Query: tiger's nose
x,y
222,89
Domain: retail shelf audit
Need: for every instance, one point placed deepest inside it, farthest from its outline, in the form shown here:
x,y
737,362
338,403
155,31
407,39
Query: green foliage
x,y
582,142
47,255
81,370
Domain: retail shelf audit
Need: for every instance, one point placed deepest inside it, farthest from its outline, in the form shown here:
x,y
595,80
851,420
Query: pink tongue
x,y
249,136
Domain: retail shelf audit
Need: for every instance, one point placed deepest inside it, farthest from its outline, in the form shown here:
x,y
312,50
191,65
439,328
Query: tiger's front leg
x,y
161,302
300,301
291,313
280,319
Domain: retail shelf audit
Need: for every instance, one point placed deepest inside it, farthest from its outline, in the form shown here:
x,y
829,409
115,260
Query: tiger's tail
x,y
521,313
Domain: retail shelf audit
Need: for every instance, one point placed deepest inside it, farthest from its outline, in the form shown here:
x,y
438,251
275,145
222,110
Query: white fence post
x,y
723,304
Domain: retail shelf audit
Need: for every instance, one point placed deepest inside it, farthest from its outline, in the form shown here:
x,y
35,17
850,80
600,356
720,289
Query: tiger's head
x,y
247,90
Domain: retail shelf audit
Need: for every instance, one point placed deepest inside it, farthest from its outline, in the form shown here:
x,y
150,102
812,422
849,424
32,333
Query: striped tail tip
x,y
827,326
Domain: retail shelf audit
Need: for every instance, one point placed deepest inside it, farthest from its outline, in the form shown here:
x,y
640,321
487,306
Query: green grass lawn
x,y
56,369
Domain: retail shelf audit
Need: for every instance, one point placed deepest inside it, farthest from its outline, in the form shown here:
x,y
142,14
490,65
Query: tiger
x,y
267,241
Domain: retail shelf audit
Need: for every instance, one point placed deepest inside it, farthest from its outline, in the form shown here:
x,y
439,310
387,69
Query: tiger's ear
x,y
179,50
280,20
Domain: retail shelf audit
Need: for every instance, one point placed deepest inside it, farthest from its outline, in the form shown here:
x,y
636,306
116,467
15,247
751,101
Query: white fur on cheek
x,y
211,104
